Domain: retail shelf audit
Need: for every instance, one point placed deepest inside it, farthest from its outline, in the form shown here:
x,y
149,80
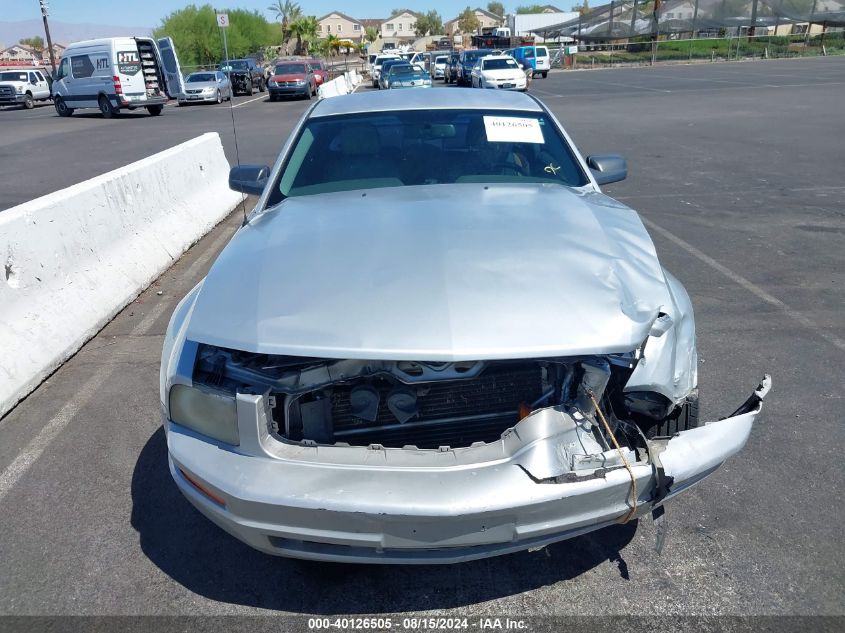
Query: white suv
x,y
23,87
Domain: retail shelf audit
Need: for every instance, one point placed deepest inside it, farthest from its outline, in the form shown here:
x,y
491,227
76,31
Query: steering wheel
x,y
516,169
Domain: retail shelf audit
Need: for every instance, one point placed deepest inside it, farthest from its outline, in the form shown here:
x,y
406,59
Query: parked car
x,y
117,73
321,73
467,62
439,69
408,76
23,87
473,381
534,57
500,72
452,68
206,87
292,79
245,75
375,71
385,69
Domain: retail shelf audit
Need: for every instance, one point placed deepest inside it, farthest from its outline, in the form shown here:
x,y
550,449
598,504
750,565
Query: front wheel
x,y
155,110
219,98
29,102
249,90
261,85
61,107
545,74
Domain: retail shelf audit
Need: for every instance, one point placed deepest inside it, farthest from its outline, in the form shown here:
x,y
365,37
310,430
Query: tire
x,y
684,419
219,98
272,97
105,107
155,110
249,89
261,86
61,107
29,102
545,74
308,94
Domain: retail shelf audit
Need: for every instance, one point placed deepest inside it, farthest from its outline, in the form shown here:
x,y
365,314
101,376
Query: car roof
x,y
385,100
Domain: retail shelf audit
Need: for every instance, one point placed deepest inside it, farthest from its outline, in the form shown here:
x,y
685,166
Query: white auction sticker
x,y
510,129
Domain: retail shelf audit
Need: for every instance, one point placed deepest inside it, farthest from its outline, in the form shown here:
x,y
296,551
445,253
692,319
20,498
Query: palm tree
x,y
371,34
332,44
305,30
287,12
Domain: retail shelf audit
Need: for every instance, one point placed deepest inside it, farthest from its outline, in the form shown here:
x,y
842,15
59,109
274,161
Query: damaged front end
x,y
542,448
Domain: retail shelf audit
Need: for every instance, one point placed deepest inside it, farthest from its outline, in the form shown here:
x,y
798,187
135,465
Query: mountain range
x,y
64,32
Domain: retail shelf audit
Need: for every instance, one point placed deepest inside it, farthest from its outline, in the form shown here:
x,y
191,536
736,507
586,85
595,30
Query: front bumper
x,y
509,85
289,91
200,98
12,100
305,502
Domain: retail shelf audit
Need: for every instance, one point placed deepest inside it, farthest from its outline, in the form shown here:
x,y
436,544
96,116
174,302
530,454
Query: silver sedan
x,y
206,87
433,340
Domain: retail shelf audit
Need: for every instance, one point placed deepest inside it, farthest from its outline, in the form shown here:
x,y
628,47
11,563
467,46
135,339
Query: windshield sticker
x,y
506,129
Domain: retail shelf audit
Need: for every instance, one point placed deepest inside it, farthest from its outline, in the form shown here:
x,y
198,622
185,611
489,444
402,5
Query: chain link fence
x,y
638,32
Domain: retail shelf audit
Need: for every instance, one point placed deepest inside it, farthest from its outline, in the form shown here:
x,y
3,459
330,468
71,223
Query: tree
x,y
332,43
198,39
36,42
428,24
496,7
468,21
530,8
287,13
371,34
305,31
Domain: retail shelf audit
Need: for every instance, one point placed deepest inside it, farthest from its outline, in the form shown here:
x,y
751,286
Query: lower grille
x,y
454,412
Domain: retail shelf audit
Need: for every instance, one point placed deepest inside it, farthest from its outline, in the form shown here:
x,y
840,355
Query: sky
x,y
151,12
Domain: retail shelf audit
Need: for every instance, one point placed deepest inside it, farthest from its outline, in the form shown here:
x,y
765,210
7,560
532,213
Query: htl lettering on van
x,y
117,73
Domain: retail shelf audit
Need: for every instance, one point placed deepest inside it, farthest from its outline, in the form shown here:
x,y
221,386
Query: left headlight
x,y
211,414
300,82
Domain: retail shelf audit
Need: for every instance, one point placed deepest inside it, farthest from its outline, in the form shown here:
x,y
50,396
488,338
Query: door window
x,y
64,69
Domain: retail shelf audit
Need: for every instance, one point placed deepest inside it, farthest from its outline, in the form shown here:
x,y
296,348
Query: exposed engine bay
x,y
432,405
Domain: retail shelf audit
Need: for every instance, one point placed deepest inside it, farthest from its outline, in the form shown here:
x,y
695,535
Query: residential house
x,y
340,25
20,54
400,26
485,19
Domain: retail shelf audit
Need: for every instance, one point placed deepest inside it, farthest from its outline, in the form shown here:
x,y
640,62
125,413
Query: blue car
x,y
408,76
467,61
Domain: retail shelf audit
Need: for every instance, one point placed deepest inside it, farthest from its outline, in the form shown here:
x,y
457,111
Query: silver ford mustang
x,y
434,340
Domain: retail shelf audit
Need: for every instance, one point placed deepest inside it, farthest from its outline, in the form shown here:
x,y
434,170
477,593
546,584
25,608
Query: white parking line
x,y
243,103
748,285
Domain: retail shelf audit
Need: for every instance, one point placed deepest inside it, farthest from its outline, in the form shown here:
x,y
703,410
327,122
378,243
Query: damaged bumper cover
x,y
377,505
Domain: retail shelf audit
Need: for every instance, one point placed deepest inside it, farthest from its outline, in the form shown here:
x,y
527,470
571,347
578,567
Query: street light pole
x,y
44,8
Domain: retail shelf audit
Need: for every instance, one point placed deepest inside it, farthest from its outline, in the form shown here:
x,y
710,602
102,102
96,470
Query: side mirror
x,y
608,168
249,179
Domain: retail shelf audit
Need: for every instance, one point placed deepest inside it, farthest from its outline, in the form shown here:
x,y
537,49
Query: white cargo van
x,y
115,73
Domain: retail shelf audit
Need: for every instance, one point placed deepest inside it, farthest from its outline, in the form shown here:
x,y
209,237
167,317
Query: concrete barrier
x,y
76,257
334,88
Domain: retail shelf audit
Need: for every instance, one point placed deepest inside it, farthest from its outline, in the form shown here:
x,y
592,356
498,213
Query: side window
x,y
33,78
64,68
39,76
81,66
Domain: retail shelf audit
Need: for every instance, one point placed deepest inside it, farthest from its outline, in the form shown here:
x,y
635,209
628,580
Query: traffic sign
x,y
223,20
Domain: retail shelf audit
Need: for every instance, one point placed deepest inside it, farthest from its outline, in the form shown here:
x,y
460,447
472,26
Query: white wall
x,y
74,258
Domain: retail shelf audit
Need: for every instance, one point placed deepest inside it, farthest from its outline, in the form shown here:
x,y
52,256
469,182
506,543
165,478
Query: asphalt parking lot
x,y
737,172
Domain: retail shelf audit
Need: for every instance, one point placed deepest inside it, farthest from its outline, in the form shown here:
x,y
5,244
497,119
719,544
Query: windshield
x,y
419,147
7,76
381,60
499,64
471,56
201,77
440,60
402,69
290,69
234,65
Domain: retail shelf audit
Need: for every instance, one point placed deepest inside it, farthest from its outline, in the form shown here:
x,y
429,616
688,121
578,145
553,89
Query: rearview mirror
x,y
607,168
249,179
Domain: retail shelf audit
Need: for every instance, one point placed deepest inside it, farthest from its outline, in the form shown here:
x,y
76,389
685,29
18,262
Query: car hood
x,y
503,72
436,272
200,85
288,77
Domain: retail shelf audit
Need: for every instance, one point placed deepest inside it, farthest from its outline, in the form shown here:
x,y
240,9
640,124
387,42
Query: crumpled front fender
x,y
691,455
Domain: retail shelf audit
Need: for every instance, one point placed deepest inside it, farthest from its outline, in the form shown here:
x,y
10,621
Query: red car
x,y
292,78
320,72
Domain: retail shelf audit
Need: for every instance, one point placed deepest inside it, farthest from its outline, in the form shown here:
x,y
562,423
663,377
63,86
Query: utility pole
x,y
655,30
44,8
753,29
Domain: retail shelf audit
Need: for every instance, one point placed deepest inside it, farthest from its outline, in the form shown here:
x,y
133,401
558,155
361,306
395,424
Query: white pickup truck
x,y
23,87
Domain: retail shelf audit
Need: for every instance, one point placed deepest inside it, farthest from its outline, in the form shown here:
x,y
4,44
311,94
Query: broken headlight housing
x,y
205,412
